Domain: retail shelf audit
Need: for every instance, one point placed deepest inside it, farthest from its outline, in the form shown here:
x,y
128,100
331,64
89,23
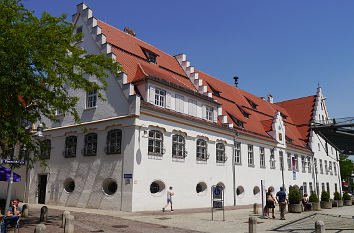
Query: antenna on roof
x,y
236,81
129,31
318,85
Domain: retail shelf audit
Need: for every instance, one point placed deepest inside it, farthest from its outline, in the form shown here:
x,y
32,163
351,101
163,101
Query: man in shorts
x,y
169,199
12,214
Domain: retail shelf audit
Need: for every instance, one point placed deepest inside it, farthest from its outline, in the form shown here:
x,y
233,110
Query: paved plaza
x,y
194,220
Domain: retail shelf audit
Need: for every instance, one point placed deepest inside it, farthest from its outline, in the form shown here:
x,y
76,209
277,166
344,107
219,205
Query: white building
x,y
165,123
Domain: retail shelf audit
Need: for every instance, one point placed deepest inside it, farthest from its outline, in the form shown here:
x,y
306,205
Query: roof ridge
x,y
295,99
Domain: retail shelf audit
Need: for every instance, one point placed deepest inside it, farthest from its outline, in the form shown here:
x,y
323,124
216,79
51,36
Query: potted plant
x,y
347,199
325,203
315,202
337,199
294,201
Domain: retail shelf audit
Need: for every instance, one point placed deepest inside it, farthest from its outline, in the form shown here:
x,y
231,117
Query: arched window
x,y
70,146
178,146
46,148
155,142
90,148
114,141
202,149
220,153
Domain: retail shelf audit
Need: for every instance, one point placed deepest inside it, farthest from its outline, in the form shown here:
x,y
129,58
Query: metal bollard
x,y
252,224
69,224
255,208
40,228
25,210
319,227
44,214
66,213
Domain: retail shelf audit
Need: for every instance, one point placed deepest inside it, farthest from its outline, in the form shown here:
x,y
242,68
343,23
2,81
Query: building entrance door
x,y
42,188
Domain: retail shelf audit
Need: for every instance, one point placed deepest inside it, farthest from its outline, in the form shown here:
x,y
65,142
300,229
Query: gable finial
x,y
236,81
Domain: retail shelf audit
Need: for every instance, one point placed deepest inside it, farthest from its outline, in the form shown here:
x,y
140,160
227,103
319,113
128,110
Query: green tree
x,y
346,166
39,61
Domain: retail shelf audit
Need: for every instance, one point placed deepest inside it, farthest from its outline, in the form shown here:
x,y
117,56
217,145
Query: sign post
x,y
262,191
294,168
217,200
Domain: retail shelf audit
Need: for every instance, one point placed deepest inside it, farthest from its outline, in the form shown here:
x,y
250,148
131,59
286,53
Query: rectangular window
x,y
326,167
309,165
250,155
209,112
315,165
272,159
303,162
237,150
192,107
328,191
304,187
335,168
310,187
262,157
179,103
317,187
321,166
296,162
91,99
335,188
289,162
160,97
281,160
330,167
323,187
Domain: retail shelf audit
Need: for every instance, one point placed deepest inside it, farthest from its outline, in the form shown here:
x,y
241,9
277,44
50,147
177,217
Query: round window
x,y
221,185
109,186
201,187
239,190
69,185
157,186
256,190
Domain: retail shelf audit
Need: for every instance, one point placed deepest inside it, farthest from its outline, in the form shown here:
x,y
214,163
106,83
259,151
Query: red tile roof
x,y
129,53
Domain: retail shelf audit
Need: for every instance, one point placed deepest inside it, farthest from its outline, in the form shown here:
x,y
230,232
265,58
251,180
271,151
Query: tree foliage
x,y
346,166
39,60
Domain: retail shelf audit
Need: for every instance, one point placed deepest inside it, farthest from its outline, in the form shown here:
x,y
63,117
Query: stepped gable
x,y
129,53
259,123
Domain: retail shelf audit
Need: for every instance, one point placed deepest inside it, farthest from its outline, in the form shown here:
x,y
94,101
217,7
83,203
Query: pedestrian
x,y
12,214
282,200
169,199
305,202
270,202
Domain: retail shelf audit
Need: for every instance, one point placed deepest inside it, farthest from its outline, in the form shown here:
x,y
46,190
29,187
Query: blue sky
x,y
281,47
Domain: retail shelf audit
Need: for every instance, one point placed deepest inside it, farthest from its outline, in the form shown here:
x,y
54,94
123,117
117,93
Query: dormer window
x,y
254,106
160,96
237,121
283,116
151,56
289,140
280,137
244,113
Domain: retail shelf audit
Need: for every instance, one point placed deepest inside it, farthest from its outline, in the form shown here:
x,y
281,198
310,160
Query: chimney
x,y
236,81
270,98
129,31
262,98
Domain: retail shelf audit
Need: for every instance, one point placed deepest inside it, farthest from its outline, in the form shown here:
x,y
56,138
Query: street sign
x,y
7,161
217,204
217,193
128,176
217,200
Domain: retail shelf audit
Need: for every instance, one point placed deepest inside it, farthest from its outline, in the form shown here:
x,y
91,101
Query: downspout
x,y
234,169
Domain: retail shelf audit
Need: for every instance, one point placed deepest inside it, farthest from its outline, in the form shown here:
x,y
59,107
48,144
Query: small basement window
x,y
201,187
109,186
69,185
156,186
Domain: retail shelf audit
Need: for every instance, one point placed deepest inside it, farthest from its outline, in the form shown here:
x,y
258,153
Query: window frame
x,y
177,143
262,162
114,140
70,146
250,155
160,97
272,161
220,153
237,153
290,162
90,148
209,113
91,99
45,152
202,150
154,141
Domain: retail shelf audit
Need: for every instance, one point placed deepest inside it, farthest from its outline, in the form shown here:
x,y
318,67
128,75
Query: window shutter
x,y
203,111
215,117
190,107
152,94
168,99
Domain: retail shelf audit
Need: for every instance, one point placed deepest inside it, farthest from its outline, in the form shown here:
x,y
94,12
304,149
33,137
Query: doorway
x,y
42,188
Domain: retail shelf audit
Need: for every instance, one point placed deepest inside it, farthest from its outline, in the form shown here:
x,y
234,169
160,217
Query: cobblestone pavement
x,y
88,222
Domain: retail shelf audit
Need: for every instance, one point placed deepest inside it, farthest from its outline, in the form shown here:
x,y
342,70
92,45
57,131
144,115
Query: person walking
x,y
282,200
169,199
270,201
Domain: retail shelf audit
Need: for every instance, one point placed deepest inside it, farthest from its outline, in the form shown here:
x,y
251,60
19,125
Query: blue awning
x,y
5,175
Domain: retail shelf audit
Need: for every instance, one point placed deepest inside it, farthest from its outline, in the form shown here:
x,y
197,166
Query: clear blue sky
x,y
282,47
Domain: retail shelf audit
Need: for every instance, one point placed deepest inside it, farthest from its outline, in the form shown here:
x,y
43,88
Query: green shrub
x,y
346,196
294,196
325,196
313,197
337,196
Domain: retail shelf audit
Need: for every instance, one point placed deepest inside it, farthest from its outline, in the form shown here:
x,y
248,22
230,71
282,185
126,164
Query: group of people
x,y
270,202
12,214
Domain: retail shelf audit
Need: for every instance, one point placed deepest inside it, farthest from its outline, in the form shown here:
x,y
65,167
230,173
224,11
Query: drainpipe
x,y
234,169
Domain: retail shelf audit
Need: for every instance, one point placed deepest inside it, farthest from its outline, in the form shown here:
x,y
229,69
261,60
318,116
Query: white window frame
x,y
91,99
326,167
237,152
262,157
160,97
296,162
290,164
202,149
250,155
155,143
209,113
178,146
281,160
309,167
321,167
330,167
272,159
220,152
303,163
335,168
315,165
